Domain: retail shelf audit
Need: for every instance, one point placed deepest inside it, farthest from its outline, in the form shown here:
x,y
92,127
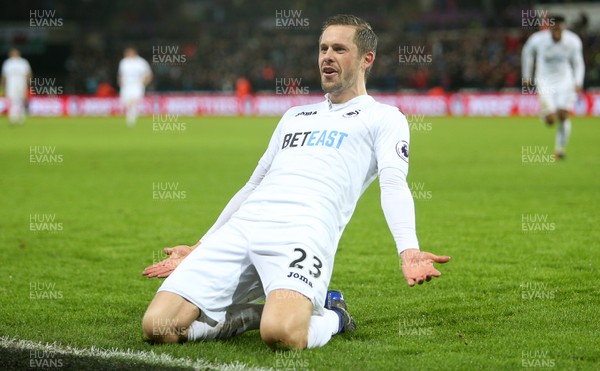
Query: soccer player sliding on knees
x,y
277,237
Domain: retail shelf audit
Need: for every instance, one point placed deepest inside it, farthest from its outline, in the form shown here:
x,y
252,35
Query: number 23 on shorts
x,y
317,264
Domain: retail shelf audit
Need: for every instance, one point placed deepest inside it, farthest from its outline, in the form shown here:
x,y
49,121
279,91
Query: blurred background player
x,y
16,74
134,75
243,91
559,71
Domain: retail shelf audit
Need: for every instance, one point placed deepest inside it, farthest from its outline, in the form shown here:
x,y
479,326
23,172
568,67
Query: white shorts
x,y
556,96
130,94
17,95
244,261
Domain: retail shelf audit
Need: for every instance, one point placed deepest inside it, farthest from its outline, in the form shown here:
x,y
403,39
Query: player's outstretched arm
x,y
163,268
417,266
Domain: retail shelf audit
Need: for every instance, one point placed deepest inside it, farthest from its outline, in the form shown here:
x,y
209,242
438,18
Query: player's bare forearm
x,y
417,266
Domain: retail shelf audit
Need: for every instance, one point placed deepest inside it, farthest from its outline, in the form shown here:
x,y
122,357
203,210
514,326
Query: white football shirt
x,y
320,160
556,63
132,71
16,72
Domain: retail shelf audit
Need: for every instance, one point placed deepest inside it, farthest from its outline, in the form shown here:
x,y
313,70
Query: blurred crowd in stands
x,y
457,47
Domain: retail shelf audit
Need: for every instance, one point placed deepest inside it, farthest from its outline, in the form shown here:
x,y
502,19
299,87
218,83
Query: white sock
x,y
15,112
131,114
199,330
562,135
238,319
322,328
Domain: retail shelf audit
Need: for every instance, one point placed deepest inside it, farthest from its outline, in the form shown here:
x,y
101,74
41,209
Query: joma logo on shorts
x,y
300,277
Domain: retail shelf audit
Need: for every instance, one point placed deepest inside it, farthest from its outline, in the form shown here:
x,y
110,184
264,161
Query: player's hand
x,y
417,266
578,89
163,268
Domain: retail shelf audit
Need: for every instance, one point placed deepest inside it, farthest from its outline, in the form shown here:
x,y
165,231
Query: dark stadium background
x,y
474,44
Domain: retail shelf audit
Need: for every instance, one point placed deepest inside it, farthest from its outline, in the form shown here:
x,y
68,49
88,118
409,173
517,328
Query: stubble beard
x,y
332,87
337,86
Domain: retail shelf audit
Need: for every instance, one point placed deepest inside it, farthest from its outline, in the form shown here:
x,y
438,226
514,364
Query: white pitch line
x,y
50,351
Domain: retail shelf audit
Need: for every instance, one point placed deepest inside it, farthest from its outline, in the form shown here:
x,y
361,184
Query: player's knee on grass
x,y
285,320
283,332
161,329
550,118
168,317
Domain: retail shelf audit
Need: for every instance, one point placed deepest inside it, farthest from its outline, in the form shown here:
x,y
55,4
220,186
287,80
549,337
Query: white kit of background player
x,y
134,75
559,72
16,74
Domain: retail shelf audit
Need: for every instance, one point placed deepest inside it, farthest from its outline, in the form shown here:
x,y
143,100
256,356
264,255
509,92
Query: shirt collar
x,y
356,100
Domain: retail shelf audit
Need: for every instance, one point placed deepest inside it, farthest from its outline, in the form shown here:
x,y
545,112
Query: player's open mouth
x,y
329,71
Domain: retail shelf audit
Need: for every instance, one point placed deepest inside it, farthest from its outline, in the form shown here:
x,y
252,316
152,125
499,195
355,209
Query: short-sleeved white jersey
x,y
322,157
16,72
556,63
132,71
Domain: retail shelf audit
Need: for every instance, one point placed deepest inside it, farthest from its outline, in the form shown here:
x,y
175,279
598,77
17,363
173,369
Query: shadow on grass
x,y
26,359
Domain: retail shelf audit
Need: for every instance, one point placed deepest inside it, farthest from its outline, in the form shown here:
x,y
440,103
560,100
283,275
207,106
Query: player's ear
x,y
368,60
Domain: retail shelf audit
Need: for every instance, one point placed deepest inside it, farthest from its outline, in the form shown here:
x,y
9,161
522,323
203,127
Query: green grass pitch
x,y
88,203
